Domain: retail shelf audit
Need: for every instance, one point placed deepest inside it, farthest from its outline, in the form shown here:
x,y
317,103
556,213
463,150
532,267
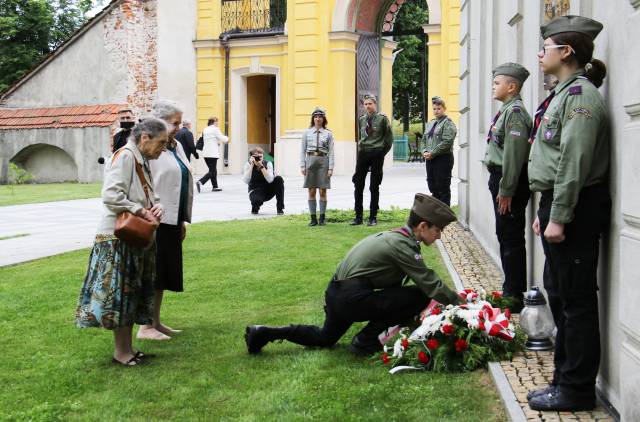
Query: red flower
x,y
385,358
405,343
448,329
507,313
432,344
423,357
436,311
461,345
481,326
496,295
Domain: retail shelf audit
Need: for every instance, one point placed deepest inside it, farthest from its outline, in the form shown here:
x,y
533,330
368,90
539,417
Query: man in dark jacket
x,y
185,137
126,123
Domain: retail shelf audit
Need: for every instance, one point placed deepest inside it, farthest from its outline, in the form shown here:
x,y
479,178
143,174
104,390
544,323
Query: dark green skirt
x,y
118,289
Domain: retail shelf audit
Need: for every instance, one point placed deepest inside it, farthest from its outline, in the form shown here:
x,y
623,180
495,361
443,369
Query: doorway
x,y
261,112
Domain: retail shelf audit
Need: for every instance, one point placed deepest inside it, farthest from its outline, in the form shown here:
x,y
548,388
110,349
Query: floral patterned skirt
x,y
119,286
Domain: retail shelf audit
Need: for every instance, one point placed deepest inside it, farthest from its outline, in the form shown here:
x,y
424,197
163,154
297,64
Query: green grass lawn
x,y
34,193
236,273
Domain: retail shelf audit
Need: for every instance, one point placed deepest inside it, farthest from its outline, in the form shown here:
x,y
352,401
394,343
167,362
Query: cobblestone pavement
x,y
528,370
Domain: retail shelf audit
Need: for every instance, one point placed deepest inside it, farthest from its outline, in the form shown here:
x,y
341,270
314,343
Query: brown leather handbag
x,y
132,229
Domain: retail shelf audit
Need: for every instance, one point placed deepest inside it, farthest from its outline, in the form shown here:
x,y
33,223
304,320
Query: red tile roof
x,y
59,117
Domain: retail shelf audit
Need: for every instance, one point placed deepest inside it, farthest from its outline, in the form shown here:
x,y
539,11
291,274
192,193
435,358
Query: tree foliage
x,y
31,29
407,79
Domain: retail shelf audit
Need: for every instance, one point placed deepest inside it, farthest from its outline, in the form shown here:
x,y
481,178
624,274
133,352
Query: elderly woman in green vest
x,y
316,163
569,166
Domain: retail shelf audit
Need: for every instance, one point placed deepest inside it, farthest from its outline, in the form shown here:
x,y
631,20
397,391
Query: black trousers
x,y
570,278
263,194
212,164
373,159
439,177
355,300
510,232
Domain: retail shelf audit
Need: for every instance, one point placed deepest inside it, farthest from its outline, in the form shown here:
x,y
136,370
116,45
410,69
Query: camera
x,y
257,158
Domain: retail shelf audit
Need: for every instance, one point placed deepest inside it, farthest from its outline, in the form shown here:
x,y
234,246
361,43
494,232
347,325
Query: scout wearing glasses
x,y
316,162
569,166
368,285
438,151
376,139
506,159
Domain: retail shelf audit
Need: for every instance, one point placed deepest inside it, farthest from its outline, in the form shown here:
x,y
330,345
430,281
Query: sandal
x,y
141,355
131,362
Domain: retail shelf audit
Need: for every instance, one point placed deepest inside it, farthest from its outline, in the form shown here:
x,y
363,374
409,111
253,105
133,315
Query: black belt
x,y
316,154
360,282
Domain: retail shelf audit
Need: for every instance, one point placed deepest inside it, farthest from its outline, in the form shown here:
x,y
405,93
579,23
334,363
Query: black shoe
x,y
322,223
216,190
314,221
198,186
256,337
280,211
542,392
356,221
366,347
373,221
561,401
254,210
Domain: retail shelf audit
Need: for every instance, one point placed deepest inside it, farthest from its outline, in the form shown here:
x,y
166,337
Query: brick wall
x,y
131,34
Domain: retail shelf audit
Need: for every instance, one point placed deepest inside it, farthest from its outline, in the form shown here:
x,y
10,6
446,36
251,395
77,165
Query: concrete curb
x,y
514,411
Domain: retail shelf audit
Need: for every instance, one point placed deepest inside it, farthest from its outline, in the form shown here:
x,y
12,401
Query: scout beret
x,y
514,70
370,97
571,23
433,210
319,110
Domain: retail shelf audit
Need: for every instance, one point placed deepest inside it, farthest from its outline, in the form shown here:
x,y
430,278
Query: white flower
x,y
397,349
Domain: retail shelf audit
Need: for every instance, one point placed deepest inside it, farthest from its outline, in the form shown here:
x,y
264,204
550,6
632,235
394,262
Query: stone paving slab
x,y
56,227
528,370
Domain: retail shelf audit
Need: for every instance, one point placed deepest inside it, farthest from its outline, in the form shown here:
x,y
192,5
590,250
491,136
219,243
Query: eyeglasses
x,y
545,47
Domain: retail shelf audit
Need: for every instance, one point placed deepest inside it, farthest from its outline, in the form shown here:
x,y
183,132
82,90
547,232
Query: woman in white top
x,y
174,185
118,288
212,137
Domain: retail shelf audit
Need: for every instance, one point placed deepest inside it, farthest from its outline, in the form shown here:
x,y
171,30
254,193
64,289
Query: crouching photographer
x,y
263,184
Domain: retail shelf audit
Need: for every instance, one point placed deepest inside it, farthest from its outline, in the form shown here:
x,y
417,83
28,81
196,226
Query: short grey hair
x,y
150,125
164,109
185,122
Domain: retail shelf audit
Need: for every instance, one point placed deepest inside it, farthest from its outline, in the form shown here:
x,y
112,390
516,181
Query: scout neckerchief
x,y
539,113
493,122
433,128
369,127
317,140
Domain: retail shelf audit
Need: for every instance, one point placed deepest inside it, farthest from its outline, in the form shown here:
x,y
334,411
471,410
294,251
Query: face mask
x,y
127,125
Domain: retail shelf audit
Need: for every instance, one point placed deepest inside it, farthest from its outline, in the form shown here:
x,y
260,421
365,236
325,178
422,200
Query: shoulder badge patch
x,y
515,109
575,90
579,110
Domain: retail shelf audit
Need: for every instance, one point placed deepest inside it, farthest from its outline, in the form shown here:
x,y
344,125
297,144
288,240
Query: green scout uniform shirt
x,y
509,144
386,258
443,136
381,135
571,146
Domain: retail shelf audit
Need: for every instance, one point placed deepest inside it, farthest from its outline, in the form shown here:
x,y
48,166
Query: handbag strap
x,y
140,173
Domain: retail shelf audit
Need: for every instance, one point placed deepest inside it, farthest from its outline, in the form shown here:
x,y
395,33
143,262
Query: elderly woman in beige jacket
x,y
174,184
118,287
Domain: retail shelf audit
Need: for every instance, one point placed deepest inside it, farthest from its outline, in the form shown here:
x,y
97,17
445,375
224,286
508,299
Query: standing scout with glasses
x,y
569,166
376,139
506,159
316,163
438,152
